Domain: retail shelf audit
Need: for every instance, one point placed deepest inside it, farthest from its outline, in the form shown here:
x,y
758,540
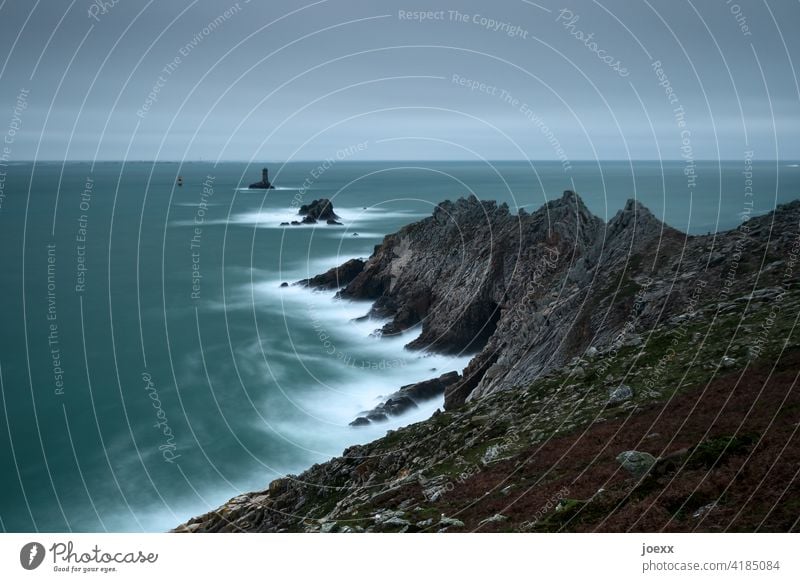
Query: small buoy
x,y
180,180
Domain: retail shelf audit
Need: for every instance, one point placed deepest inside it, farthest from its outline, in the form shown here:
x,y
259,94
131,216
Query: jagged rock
x,y
337,277
360,421
636,463
408,396
321,209
505,285
397,405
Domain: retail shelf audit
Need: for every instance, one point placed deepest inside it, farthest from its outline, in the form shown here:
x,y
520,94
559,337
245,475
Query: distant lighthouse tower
x,y
264,183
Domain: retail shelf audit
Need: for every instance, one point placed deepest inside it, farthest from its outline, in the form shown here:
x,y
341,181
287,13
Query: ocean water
x,y
151,365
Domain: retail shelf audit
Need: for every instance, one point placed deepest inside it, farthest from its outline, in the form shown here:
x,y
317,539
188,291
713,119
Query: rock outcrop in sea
x,y
314,212
407,398
318,210
264,184
623,375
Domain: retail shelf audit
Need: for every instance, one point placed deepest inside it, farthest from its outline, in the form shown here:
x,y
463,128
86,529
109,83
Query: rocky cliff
x,y
585,335
529,292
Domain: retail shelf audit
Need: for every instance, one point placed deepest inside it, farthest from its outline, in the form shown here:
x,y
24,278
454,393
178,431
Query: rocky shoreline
x,y
583,333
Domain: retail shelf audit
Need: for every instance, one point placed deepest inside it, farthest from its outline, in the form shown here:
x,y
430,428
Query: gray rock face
x,y
337,277
636,463
527,293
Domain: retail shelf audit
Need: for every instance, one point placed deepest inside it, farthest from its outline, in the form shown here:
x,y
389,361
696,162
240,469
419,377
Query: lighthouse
x,y
264,183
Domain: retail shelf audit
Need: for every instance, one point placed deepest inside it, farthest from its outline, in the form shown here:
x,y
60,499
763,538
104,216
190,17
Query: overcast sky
x,y
281,80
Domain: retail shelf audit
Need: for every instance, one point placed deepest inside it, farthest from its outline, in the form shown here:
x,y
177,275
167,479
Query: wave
x,y
361,368
274,189
351,217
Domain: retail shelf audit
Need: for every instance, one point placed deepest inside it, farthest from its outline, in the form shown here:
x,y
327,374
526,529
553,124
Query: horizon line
x,y
450,160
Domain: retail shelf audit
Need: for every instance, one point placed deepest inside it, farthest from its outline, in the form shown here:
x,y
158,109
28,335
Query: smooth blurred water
x,y
249,380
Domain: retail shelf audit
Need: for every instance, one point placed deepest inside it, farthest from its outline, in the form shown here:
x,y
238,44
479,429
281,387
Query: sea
x,y
152,365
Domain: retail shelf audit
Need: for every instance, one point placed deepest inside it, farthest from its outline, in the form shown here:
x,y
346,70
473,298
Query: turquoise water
x,y
152,367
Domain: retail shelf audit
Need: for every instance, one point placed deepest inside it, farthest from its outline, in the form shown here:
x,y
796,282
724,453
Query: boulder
x,y
636,463
496,518
620,394
446,522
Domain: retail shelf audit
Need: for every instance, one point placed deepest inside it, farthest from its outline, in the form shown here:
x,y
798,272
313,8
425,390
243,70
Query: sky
x,y
290,80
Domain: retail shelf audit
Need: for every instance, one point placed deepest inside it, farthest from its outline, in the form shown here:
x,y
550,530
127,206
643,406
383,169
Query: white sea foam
x,y
361,369
351,217
273,189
